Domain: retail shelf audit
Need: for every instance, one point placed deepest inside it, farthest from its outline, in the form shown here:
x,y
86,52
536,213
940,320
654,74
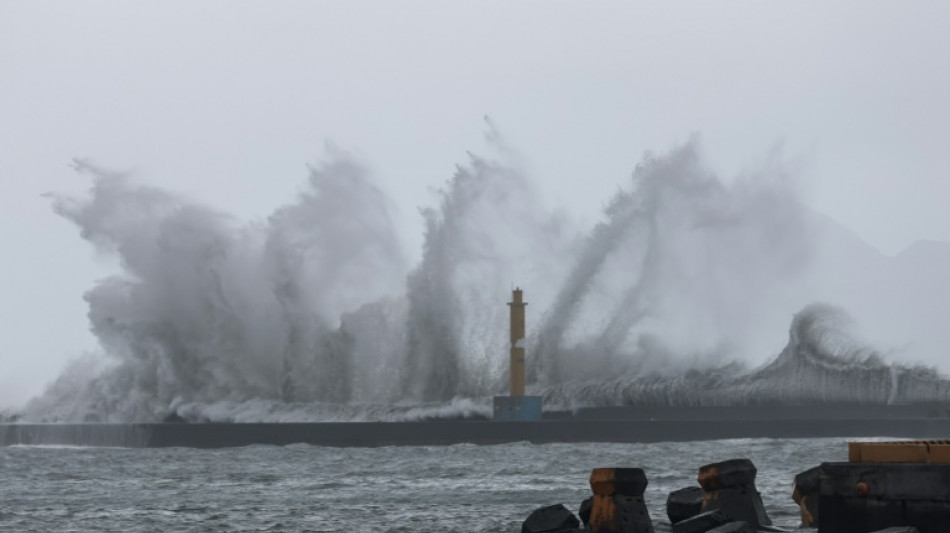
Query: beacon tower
x,y
516,406
517,306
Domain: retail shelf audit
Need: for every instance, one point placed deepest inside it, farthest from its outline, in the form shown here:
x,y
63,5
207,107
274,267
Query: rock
x,y
553,518
684,503
702,522
734,527
584,512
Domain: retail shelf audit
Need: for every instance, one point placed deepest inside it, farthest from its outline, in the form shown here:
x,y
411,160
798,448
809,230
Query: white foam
x,y
672,298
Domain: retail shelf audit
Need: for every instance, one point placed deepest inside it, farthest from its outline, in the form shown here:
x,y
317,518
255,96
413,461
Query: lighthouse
x,y
516,363
516,407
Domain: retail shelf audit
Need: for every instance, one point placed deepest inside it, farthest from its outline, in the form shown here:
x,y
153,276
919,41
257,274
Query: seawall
x,y
372,434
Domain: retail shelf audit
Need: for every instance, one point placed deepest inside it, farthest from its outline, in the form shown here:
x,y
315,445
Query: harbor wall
x,y
373,434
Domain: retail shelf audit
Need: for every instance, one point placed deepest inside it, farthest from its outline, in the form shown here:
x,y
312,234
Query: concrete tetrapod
x,y
862,497
730,487
733,527
618,505
726,474
684,503
584,512
550,519
805,494
702,522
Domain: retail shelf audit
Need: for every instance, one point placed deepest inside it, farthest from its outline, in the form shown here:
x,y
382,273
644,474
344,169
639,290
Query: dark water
x,y
463,488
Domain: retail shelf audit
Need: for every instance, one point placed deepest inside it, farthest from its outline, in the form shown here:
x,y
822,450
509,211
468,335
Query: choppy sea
x,y
462,488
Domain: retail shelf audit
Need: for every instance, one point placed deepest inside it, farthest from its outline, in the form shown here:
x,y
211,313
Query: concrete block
x,y
610,481
584,512
896,481
684,503
619,514
734,527
727,474
939,452
919,451
517,408
808,507
859,514
549,519
633,514
854,452
702,522
805,494
808,481
741,503
893,452
926,514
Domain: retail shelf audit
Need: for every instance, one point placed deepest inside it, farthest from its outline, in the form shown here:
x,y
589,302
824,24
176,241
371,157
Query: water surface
x,y
462,488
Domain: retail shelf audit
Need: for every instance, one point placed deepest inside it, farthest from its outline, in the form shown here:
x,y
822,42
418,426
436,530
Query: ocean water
x,y
462,488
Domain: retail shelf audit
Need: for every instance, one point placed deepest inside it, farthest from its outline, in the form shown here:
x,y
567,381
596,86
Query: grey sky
x,y
228,101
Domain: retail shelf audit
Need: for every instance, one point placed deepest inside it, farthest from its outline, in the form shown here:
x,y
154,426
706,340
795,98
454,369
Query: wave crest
x,y
314,314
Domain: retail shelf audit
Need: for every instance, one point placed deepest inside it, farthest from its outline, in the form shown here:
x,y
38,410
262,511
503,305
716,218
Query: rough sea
x,y
462,488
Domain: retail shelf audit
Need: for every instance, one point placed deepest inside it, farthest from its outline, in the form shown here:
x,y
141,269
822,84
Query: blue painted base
x,y
517,408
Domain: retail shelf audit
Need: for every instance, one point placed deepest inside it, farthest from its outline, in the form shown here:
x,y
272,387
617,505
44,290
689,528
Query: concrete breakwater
x,y
372,434
727,502
895,496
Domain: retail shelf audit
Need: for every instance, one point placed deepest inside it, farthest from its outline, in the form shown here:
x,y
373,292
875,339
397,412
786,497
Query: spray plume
x,y
313,314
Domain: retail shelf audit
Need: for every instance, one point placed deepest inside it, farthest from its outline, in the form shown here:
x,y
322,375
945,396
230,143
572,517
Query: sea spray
x,y
487,233
207,310
312,314
328,253
677,269
821,363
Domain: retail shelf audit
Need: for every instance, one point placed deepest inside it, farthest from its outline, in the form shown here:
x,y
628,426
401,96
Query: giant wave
x,y
314,313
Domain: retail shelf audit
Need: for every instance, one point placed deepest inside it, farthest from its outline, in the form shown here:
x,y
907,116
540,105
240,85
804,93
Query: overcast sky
x,y
229,101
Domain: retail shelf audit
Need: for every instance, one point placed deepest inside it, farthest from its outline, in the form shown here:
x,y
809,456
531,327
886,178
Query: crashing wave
x,y
821,363
313,313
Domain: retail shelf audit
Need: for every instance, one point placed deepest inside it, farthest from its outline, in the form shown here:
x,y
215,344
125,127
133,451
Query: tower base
x,y
517,409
